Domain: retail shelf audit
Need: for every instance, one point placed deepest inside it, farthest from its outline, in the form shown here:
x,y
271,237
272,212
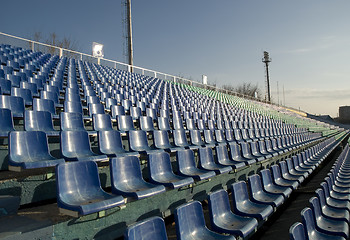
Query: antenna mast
x,y
127,30
266,59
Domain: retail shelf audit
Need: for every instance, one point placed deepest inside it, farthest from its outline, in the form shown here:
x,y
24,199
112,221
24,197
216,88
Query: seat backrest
x,y
185,159
229,135
297,232
125,123
220,136
159,164
309,222
180,138
44,105
102,122
135,112
149,229
6,121
138,140
28,146
125,171
239,192
110,142
96,108
161,138
77,180
196,138
75,144
117,110
38,121
266,177
72,121
254,183
146,123
219,204
26,94
206,157
189,218
74,107
163,123
15,104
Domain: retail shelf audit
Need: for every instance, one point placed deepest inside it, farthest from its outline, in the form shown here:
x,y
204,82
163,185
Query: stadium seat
x,y
245,207
75,146
110,143
149,229
279,180
79,189
328,225
190,223
26,94
5,86
196,138
28,150
96,108
15,104
146,123
206,161
125,123
309,222
117,110
102,122
187,166
39,121
258,194
161,141
236,154
6,125
180,139
287,175
45,105
127,180
270,187
163,124
160,171
297,232
138,142
72,121
223,220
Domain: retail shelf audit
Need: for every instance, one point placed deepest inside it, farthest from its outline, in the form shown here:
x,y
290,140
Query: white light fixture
x,y
97,50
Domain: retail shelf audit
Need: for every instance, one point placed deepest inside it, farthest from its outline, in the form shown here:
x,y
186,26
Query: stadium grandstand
x,y
96,149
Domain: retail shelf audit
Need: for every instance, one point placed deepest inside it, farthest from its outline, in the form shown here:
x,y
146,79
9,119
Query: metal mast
x,y
266,59
129,24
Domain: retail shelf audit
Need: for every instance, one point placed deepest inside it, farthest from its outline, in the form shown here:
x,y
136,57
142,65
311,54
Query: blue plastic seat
x,y
180,139
39,121
220,137
254,147
187,166
196,138
224,159
309,222
110,143
160,171
270,187
292,170
73,107
75,145
102,122
31,86
279,180
15,104
5,86
26,94
287,175
161,141
190,124
260,196
117,110
146,123
209,138
177,122
223,220
127,180
245,207
150,112
331,211
79,189
149,229
135,113
125,123
6,120
96,108
44,105
236,154
297,232
72,121
109,102
138,142
30,149
328,225
190,223
163,124
51,96
206,162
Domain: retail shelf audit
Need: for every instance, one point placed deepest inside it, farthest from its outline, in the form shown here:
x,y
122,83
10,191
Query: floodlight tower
x,y
266,59
127,27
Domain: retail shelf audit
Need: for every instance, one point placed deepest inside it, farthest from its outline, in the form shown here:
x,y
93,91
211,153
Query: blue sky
x,y
308,41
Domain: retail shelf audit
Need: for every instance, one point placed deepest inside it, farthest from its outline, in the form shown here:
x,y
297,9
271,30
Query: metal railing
x,y
62,52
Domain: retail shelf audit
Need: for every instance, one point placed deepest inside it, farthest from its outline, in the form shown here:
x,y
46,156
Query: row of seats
x,y
30,149
328,216
253,203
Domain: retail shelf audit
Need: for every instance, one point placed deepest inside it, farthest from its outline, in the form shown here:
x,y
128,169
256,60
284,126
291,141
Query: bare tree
x,y
246,89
